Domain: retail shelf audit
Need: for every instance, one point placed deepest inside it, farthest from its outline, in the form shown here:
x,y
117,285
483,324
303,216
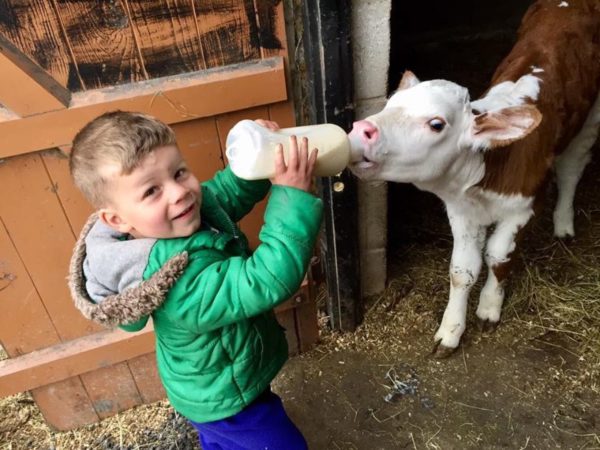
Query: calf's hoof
x,y
487,326
440,351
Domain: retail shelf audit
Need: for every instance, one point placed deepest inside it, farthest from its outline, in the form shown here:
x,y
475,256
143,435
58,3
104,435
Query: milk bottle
x,y
250,148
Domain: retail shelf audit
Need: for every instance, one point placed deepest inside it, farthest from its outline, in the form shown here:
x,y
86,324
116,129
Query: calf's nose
x,y
366,131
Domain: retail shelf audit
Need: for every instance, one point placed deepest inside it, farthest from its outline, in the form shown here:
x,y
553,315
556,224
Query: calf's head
x,y
425,126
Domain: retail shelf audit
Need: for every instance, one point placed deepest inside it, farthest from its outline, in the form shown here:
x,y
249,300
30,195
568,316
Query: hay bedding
x,y
555,292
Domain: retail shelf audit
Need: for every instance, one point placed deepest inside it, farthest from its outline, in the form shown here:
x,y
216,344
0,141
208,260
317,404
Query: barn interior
x,y
464,42
457,41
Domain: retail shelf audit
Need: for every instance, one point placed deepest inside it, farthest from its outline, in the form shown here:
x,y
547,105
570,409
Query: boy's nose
x,y
178,192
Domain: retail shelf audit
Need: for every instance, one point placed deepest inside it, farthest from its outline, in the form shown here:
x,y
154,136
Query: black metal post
x,y
328,58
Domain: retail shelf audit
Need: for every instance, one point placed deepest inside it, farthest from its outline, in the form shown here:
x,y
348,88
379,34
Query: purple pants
x,y
262,425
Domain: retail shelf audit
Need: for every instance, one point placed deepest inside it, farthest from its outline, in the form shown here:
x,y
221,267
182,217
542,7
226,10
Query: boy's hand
x,y
299,169
273,126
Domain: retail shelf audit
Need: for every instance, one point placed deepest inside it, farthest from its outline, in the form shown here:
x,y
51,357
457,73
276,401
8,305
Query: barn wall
x,y
371,62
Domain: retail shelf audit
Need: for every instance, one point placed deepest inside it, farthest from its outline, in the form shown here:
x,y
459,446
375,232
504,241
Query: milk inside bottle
x,y
250,148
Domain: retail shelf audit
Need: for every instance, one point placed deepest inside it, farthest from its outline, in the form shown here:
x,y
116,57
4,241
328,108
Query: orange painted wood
x,y
24,324
283,114
276,23
198,141
37,92
145,374
65,405
101,44
74,204
224,32
165,32
36,31
112,390
67,359
173,100
36,223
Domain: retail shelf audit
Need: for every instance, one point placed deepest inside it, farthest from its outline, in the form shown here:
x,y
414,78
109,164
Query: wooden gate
x,y
199,65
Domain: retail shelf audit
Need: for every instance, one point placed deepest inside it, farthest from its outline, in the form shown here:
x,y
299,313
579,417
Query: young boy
x,y
161,244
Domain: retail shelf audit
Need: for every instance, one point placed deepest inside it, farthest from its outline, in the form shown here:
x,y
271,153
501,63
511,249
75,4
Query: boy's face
x,y
159,199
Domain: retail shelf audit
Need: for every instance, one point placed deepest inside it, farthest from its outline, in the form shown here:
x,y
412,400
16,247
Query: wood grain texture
x,y
145,373
101,42
87,45
21,303
33,28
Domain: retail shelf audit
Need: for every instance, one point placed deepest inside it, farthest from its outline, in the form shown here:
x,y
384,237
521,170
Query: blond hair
x,y
117,137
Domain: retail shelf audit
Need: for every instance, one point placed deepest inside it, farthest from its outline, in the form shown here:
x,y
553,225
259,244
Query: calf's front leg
x,y
500,248
464,271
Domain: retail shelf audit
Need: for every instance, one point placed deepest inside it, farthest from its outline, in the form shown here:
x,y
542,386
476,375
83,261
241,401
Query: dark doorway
x,y
461,41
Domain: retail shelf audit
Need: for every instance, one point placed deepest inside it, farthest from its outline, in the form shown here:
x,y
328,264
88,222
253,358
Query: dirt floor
x,y
534,383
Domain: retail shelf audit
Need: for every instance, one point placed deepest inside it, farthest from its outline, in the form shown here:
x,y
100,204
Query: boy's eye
x,y
180,172
150,191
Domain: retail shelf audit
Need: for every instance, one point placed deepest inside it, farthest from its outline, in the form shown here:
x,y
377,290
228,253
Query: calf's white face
x,y
425,126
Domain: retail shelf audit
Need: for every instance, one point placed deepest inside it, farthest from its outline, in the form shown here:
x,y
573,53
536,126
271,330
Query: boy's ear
x,y
111,218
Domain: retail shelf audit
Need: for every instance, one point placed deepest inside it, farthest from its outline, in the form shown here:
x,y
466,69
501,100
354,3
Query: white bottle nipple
x,y
250,148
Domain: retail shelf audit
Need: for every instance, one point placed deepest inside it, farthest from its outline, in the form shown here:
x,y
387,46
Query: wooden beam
x,y
328,58
72,358
172,99
26,88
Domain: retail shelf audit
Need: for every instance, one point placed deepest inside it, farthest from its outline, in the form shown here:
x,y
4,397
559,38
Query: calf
x,y
489,159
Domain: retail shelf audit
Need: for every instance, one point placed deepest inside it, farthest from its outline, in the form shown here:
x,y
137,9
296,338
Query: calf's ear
x,y
408,80
503,126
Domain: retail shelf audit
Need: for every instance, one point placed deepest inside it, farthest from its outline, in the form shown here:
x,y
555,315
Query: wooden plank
x,y
198,141
33,28
67,359
37,92
145,374
23,310
112,390
227,31
65,405
173,100
35,221
329,72
101,42
166,36
74,204
283,114
271,22
21,305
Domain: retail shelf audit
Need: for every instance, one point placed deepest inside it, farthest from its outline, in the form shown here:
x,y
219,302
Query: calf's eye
x,y
436,124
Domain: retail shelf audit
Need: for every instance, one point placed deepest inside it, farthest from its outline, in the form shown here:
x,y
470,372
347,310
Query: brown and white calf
x,y
489,159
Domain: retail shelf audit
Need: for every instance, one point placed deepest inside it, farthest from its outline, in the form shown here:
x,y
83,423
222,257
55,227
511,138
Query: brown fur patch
x,y
565,43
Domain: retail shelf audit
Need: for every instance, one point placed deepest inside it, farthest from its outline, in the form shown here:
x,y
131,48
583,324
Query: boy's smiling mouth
x,y
186,212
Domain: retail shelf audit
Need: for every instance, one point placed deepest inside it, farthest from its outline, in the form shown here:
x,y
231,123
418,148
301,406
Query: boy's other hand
x,y
298,171
273,126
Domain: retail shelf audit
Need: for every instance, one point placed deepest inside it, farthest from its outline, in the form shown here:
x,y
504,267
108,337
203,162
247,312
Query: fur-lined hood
x,y
131,304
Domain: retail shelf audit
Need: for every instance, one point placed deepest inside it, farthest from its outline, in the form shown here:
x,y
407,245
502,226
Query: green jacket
x,y
218,344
